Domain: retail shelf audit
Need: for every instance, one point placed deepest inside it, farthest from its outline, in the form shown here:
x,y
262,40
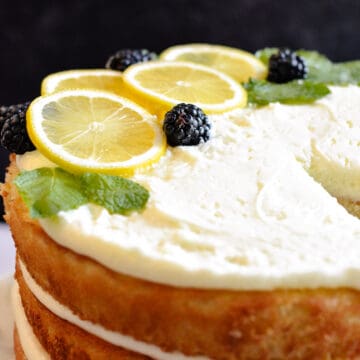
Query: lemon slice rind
x,y
57,154
50,83
173,53
238,99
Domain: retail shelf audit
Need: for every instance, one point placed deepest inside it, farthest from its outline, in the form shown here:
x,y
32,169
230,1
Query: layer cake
x,y
248,248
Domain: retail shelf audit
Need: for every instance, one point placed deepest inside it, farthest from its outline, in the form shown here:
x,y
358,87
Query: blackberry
x,y
286,66
122,59
7,111
186,124
13,134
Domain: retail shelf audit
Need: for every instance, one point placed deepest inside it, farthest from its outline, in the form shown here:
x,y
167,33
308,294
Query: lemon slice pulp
x,y
159,85
88,130
97,79
239,64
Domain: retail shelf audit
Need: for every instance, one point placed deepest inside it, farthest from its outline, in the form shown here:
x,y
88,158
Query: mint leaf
x,y
46,191
261,92
345,73
264,54
116,194
314,59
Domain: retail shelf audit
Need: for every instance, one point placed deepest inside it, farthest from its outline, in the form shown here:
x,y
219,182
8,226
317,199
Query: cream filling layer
x,y
111,337
31,346
251,209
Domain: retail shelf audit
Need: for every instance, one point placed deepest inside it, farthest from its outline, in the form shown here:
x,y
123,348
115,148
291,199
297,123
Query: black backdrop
x,y
37,38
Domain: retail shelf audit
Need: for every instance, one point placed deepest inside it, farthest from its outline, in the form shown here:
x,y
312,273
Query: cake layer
x,y
241,211
240,324
44,336
111,337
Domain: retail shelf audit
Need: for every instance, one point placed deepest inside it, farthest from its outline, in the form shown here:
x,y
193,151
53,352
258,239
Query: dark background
x,y
38,38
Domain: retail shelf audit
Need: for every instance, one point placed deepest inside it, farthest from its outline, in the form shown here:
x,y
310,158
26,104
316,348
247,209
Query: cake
x,y
248,247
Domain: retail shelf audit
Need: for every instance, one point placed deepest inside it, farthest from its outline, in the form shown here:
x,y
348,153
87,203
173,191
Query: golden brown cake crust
x,y
294,324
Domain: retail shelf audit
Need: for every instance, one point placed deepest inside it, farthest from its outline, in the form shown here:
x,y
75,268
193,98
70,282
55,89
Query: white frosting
x,y
31,346
244,210
112,337
6,319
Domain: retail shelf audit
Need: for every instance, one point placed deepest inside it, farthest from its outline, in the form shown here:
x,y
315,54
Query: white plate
x,y
7,322
7,251
7,262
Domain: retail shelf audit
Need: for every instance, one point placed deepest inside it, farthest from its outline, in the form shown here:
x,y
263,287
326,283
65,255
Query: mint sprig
x,y
46,191
320,68
261,92
321,72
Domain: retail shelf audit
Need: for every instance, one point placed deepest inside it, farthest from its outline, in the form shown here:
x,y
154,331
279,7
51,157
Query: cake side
x,y
63,340
211,323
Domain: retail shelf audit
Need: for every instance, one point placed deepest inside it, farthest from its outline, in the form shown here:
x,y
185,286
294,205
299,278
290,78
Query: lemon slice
x,y
98,79
159,85
239,64
88,130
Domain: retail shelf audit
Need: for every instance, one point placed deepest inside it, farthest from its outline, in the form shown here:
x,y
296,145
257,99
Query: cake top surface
x,y
240,211
254,207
